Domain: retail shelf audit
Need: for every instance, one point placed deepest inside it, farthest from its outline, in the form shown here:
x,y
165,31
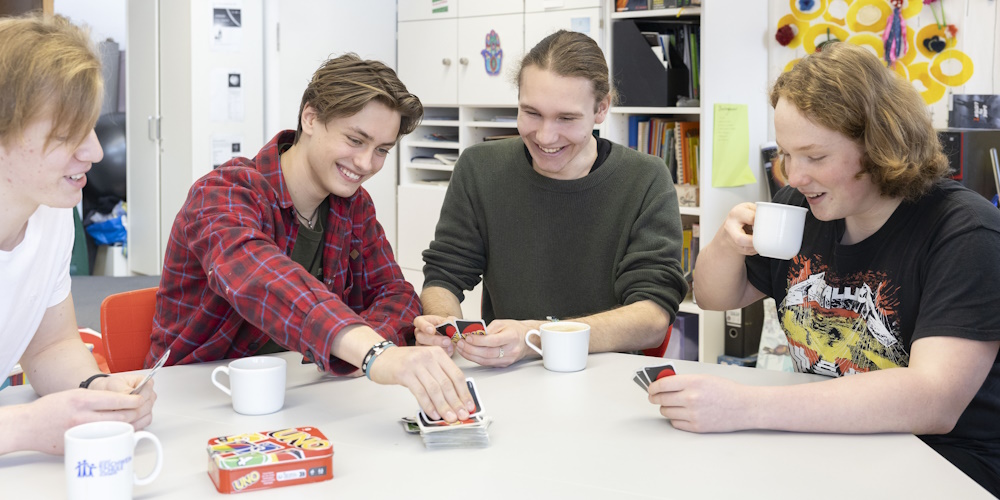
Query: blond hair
x,y
847,89
48,67
344,85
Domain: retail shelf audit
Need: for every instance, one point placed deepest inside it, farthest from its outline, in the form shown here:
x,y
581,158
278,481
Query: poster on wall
x,y
227,95
227,26
225,148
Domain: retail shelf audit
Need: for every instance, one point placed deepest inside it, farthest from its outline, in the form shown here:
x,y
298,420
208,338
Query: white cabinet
x,y
182,95
447,60
544,17
727,75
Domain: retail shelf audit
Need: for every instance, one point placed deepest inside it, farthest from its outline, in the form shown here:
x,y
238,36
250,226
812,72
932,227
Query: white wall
x,y
106,18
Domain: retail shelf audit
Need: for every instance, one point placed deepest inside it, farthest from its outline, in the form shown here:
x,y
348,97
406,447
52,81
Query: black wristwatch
x,y
86,383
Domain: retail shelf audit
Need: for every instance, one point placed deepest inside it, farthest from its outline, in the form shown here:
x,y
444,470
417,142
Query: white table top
x,y
590,434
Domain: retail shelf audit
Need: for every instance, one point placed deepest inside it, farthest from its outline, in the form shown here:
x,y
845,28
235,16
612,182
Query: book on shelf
x,y
631,5
447,158
662,4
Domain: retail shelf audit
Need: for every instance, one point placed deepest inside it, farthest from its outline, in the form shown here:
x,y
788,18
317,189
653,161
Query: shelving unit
x,y
724,73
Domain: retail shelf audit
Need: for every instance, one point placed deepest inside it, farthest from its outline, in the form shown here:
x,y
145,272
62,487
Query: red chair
x,y
126,324
658,351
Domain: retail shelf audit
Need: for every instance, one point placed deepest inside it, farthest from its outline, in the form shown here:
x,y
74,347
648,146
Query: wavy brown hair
x,y
847,89
48,68
344,85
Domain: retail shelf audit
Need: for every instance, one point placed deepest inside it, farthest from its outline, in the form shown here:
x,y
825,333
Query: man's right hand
x,y
47,418
426,334
430,374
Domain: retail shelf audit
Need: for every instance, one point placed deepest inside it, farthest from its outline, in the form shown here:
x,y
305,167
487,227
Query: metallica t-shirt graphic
x,y
840,325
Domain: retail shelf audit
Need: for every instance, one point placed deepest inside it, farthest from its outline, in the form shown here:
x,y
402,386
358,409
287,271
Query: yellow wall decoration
x,y
920,64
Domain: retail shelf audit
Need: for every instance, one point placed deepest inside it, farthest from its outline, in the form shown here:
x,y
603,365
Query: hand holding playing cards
x,y
426,334
502,345
430,374
703,403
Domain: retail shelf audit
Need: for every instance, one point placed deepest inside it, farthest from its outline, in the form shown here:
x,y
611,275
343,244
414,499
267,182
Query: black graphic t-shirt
x,y
933,269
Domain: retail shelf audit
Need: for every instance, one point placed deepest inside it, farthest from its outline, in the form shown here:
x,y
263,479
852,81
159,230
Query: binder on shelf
x,y
642,79
743,329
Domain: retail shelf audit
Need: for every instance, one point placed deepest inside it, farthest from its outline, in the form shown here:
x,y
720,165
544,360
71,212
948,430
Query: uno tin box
x,y
262,460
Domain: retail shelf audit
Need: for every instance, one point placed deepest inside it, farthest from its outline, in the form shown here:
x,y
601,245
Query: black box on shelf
x,y
968,152
641,78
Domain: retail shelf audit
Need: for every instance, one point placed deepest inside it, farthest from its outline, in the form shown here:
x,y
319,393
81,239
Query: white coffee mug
x,y
777,230
257,384
565,345
98,458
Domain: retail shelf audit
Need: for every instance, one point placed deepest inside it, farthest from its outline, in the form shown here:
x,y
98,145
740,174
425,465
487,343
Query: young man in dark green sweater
x,y
557,223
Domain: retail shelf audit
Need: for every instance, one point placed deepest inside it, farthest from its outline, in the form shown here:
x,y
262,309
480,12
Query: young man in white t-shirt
x,y
50,98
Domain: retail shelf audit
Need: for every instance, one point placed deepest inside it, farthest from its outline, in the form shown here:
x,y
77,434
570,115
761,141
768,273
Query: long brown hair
x,y
572,54
847,89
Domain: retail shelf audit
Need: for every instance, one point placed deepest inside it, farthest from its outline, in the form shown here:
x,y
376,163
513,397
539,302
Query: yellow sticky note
x,y
731,147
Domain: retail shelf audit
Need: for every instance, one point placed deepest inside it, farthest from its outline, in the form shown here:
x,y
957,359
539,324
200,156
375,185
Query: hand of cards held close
x,y
458,329
645,376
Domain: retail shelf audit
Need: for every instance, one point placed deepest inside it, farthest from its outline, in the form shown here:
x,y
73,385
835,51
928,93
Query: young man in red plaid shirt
x,y
283,251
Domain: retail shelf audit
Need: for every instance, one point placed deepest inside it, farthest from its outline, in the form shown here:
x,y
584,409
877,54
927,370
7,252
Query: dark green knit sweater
x,y
547,247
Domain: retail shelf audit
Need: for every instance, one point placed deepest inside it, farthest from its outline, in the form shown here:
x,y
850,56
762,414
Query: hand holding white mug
x,y
777,230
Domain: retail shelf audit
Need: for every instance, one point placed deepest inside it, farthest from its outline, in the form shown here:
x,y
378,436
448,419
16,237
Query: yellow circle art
x,y
930,31
913,7
933,91
900,69
791,64
828,17
819,29
869,40
952,80
807,16
878,25
800,27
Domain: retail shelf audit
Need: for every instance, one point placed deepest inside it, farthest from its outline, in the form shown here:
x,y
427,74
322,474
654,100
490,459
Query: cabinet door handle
x,y
463,61
153,127
446,61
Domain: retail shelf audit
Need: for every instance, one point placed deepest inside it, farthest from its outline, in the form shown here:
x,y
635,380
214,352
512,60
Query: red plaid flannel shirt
x,y
229,282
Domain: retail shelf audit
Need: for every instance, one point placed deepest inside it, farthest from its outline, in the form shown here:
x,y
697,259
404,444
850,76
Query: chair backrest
x,y
126,324
661,349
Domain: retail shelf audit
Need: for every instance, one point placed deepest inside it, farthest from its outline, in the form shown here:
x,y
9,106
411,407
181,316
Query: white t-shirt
x,y
33,277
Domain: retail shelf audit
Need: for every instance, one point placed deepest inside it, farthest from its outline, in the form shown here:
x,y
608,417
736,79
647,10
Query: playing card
x,y
638,380
160,362
642,375
471,384
448,329
470,327
654,373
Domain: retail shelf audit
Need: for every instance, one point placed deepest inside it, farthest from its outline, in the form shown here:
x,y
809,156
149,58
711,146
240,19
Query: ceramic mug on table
x,y
565,345
777,230
257,384
98,457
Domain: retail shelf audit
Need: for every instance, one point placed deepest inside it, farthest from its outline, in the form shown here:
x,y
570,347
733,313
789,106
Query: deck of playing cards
x,y
645,376
469,433
458,329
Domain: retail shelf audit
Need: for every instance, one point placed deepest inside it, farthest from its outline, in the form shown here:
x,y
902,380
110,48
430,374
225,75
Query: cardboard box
x,y
269,459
